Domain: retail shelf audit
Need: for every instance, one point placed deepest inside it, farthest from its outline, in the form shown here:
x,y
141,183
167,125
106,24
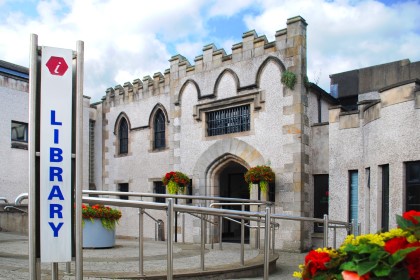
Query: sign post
x,y
55,169
54,78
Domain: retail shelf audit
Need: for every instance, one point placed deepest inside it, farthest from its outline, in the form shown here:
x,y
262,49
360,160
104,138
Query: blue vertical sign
x,y
55,153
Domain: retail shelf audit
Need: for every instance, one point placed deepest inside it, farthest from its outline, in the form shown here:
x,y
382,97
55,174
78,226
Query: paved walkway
x,y
122,261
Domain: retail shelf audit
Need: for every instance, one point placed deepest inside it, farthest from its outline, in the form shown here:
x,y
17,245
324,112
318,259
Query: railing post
x,y
54,271
68,267
220,232
243,237
273,234
202,242
326,226
353,227
335,237
259,230
169,241
141,243
183,227
267,243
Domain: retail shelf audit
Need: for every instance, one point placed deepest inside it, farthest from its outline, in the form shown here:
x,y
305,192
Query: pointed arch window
x,y
159,130
123,136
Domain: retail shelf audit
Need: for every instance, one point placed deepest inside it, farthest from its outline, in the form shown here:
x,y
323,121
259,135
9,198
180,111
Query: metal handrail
x,y
171,208
21,197
13,207
179,196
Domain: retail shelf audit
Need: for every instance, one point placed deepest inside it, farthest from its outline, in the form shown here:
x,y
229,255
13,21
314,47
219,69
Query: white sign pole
x,y
79,159
55,153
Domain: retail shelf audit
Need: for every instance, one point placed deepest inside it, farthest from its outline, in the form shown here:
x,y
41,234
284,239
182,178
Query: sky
x,y
126,40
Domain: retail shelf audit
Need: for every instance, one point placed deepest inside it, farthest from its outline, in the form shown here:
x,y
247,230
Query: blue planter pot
x,y
96,236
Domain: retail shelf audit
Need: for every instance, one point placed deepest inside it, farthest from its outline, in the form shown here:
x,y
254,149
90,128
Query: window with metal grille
x,y
228,121
123,136
91,151
159,128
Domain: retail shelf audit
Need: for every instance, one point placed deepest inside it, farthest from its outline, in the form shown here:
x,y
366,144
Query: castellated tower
x,y
213,120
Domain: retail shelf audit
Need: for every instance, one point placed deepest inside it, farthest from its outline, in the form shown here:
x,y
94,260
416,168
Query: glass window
x,y
413,186
228,121
19,131
159,129
159,188
123,188
385,197
91,151
321,194
123,136
271,194
353,196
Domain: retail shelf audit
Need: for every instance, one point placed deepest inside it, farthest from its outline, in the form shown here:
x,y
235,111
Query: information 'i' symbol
x,y
57,65
56,68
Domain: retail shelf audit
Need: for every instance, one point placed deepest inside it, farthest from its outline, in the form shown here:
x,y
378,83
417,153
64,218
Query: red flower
x,y
315,261
413,261
395,244
410,215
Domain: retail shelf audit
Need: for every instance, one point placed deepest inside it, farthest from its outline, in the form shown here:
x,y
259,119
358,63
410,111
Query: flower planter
x,y
96,236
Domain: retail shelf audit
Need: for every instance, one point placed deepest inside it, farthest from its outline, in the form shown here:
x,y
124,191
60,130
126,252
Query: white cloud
x,y
345,35
125,40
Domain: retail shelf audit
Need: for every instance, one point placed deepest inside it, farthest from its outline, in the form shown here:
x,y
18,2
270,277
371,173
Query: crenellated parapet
x,y
290,43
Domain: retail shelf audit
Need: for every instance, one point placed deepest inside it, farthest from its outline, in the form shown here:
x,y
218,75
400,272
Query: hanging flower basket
x,y
261,175
394,254
175,182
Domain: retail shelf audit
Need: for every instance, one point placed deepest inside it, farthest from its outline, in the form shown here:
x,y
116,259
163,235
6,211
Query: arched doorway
x,y
232,184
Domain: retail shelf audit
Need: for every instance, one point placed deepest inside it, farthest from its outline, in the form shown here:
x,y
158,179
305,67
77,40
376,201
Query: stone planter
x,y
96,236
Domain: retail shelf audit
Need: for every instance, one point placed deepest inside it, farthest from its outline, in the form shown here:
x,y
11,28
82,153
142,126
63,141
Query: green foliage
x,y
109,217
175,181
260,174
394,254
289,79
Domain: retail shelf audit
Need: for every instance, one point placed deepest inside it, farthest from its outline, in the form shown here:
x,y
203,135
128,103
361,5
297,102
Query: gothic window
x,y
159,130
123,136
230,120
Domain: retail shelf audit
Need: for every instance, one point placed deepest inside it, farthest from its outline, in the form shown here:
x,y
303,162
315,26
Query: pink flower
x,y
351,275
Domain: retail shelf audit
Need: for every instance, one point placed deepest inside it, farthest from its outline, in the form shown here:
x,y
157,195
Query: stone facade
x,y
251,75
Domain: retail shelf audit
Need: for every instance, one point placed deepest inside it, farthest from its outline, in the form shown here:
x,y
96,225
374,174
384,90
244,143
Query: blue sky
x,y
125,40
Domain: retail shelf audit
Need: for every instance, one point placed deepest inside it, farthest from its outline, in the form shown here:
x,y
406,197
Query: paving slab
x,y
122,261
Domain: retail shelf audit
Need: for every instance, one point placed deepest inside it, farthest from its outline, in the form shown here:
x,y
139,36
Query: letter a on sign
x,y
55,161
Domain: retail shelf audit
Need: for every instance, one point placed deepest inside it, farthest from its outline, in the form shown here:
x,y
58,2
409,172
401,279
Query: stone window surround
x,y
116,134
255,97
151,126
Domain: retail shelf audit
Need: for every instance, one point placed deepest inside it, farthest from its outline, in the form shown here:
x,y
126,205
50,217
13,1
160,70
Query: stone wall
x,y
14,163
384,131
